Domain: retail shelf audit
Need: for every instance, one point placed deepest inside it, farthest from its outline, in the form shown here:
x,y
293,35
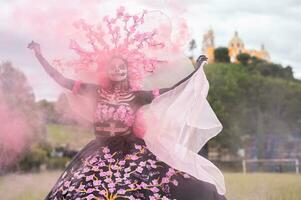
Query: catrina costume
x,y
146,141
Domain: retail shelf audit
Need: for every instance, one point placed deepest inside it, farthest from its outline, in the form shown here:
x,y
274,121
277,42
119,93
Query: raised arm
x,y
78,87
146,97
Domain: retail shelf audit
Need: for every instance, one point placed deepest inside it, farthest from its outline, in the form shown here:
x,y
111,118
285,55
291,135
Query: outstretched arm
x,y
147,96
81,88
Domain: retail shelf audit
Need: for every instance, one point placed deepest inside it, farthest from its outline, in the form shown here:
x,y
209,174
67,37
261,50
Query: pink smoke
x,y
14,135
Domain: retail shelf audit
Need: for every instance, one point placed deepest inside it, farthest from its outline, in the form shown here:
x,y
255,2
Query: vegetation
x,y
250,102
221,54
244,58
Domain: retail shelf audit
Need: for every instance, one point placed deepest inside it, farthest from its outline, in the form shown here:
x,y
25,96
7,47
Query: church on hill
x,y
236,46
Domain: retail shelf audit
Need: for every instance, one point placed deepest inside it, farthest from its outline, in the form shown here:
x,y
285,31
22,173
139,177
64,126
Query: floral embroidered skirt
x,y
121,167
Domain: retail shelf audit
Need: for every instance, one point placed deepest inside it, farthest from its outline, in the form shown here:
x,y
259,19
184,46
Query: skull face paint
x,y
117,70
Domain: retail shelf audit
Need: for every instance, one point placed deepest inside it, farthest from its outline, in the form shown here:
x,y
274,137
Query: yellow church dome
x,y
236,42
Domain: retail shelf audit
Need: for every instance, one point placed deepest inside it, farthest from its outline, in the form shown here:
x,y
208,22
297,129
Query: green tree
x,y
221,54
252,105
243,58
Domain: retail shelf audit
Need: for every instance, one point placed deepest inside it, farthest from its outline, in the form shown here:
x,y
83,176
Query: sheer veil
x,y
179,123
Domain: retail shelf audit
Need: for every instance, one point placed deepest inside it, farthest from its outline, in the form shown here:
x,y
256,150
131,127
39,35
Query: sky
x,y
276,24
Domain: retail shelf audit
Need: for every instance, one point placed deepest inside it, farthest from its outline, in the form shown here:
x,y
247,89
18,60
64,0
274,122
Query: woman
x,y
120,165
117,164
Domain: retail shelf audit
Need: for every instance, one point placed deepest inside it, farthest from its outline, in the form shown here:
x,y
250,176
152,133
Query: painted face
x,y
117,70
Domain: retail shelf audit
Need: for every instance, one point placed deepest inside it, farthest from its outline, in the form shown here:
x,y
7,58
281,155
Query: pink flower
x,y
121,191
97,183
81,187
88,178
126,17
154,189
90,196
175,182
86,169
71,188
111,185
154,182
154,166
165,180
67,183
122,162
134,157
186,176
132,198
105,150
90,190
132,29
135,17
143,185
117,174
170,172
93,160
128,169
108,180
120,11
139,169
107,156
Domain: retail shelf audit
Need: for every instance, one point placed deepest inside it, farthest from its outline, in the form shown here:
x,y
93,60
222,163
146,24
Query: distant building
x,y
236,46
208,45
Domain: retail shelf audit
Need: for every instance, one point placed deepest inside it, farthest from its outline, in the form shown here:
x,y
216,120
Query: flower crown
x,y
119,37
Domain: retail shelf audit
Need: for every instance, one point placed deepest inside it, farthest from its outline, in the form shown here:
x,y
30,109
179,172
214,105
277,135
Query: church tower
x,y
208,45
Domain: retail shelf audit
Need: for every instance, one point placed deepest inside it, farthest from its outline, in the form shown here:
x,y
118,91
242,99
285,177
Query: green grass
x,y
27,186
260,186
62,135
263,186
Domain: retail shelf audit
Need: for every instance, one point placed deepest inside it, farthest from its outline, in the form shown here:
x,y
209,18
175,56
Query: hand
x,y
200,60
34,46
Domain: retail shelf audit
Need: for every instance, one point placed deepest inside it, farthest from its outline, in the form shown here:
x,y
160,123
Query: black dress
x,y
118,165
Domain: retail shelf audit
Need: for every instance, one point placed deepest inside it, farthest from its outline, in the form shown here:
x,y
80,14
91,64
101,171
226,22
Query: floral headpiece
x,y
118,37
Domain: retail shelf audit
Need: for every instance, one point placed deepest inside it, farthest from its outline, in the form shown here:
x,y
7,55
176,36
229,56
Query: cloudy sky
x,y
276,24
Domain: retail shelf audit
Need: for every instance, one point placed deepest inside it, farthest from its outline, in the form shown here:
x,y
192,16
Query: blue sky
x,y
273,23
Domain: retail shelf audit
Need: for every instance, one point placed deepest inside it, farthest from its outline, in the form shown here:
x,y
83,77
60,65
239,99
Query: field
x,y
62,135
240,187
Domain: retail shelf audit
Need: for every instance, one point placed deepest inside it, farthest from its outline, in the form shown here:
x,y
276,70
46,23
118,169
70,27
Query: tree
x,y
253,105
243,58
221,54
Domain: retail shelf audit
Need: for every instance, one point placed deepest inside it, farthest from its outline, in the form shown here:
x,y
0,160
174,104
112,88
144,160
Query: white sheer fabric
x,y
179,122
